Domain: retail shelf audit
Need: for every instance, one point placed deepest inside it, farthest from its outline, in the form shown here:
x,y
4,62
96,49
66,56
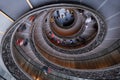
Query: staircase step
x,y
14,8
93,3
110,8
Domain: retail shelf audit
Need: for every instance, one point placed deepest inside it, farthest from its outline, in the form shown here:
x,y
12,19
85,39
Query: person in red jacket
x,y
20,41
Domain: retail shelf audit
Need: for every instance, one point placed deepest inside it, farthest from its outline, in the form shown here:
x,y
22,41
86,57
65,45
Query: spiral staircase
x,y
60,40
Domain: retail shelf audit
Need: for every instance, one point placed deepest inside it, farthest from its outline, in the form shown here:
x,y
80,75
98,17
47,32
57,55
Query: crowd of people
x,y
66,42
64,17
